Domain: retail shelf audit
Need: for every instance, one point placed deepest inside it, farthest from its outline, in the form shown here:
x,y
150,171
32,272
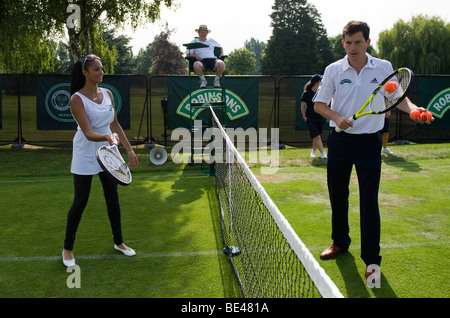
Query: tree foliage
x,y
99,45
27,54
299,42
167,57
421,44
27,25
143,59
24,47
257,47
241,62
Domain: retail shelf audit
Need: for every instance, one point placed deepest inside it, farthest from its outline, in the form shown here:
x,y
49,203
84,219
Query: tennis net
x,y
269,259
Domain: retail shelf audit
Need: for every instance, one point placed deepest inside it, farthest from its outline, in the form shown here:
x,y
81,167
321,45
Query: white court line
x,y
31,181
441,163
134,177
96,257
400,245
190,254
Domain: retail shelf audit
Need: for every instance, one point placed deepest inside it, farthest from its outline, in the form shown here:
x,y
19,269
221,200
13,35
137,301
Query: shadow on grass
x,y
396,161
355,284
229,281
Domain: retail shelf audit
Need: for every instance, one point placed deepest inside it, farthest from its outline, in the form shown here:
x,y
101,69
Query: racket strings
x,y
384,99
114,164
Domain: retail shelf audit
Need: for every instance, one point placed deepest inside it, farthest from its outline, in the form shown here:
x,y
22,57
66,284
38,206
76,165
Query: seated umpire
x,y
205,58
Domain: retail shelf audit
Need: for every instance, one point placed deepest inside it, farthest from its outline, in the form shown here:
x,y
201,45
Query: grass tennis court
x,y
170,216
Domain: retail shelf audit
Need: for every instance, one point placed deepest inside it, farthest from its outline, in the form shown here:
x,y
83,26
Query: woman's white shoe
x,y
68,262
129,252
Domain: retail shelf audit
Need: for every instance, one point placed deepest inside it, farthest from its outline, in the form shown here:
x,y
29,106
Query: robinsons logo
x,y
221,145
440,103
235,105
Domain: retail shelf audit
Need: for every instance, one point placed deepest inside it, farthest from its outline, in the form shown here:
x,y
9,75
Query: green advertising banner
x,y
53,97
241,101
434,95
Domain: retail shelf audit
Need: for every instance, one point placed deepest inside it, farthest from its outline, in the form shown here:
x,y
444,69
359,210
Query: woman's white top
x,y
84,161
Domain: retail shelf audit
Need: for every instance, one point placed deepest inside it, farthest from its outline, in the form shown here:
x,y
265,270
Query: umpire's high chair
x,y
217,103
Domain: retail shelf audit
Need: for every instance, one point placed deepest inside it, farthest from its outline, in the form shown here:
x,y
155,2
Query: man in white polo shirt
x,y
206,58
347,84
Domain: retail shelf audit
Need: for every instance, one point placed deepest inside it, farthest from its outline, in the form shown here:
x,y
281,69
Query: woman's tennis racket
x,y
387,95
113,164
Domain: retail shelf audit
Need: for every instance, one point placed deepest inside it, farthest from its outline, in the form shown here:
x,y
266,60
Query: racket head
x,y
113,164
392,91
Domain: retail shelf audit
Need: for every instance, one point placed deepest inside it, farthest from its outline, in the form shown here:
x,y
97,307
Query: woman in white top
x,y
93,109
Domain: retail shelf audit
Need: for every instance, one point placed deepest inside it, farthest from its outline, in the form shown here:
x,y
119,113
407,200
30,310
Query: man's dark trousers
x,y
363,151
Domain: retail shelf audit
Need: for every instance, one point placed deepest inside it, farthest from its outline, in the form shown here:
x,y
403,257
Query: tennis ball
x,y
415,114
390,87
425,116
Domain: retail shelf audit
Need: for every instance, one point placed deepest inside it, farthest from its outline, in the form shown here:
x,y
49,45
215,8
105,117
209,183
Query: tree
x,y
241,62
30,23
167,57
421,44
63,58
125,61
257,47
27,54
117,14
100,46
144,59
299,42
116,54
21,38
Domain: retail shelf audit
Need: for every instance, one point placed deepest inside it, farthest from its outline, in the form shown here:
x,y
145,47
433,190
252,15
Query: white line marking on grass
x,y
134,177
31,181
111,256
399,245
188,254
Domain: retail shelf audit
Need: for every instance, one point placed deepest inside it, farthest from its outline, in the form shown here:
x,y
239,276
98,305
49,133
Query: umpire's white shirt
x,y
348,91
100,116
205,52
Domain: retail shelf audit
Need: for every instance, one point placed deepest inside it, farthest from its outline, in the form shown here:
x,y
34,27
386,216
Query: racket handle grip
x,y
338,130
115,136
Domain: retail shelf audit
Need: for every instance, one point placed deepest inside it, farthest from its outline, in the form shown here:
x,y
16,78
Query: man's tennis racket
x,y
113,164
387,95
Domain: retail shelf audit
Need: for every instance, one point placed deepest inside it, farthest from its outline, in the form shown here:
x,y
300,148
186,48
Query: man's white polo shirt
x,y
348,91
205,52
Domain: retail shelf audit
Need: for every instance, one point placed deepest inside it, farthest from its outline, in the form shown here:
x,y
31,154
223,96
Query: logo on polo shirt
x,y
374,81
346,81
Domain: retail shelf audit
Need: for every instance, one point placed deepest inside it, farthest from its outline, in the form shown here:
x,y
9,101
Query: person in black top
x,y
314,121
